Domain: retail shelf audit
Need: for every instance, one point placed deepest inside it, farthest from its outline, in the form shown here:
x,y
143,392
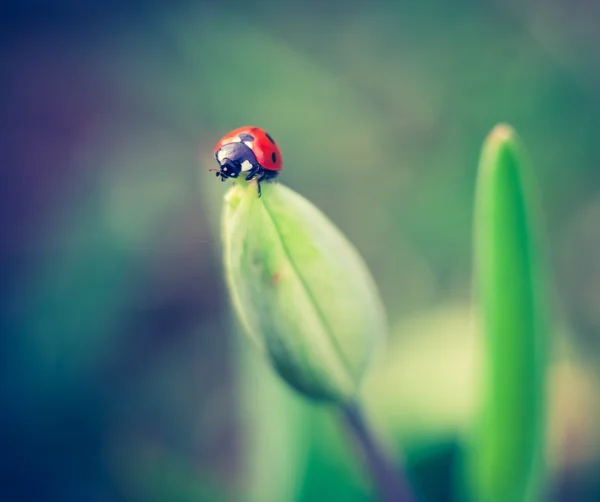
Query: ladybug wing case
x,y
232,135
266,150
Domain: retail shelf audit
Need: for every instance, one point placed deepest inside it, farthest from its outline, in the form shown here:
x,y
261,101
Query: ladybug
x,y
248,151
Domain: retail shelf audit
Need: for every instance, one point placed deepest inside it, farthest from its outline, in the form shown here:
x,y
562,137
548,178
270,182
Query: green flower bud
x,y
300,290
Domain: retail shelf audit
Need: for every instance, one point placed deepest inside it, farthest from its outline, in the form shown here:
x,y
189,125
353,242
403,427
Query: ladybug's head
x,y
233,158
229,169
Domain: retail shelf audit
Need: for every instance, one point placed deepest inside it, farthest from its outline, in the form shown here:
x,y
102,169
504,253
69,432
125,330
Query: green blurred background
x,y
123,374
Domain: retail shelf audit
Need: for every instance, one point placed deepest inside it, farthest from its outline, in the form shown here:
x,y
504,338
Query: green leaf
x,y
301,290
507,449
275,444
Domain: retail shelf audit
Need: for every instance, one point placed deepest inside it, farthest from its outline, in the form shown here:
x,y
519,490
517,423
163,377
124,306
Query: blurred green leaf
x,y
301,290
334,470
276,428
507,448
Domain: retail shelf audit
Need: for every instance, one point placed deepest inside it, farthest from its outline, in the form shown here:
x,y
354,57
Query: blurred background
x,y
123,375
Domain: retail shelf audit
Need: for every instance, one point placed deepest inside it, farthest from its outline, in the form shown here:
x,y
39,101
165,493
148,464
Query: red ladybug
x,y
251,151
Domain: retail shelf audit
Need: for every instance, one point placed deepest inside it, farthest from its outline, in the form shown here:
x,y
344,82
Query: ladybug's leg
x,y
263,176
253,172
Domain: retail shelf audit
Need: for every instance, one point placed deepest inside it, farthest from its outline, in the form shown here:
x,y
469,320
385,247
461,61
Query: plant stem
x,y
390,481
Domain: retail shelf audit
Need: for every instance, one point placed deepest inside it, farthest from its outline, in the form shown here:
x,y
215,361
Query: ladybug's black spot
x,y
269,138
274,157
246,137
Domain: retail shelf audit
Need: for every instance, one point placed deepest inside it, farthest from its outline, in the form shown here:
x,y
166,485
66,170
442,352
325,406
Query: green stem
x,y
389,480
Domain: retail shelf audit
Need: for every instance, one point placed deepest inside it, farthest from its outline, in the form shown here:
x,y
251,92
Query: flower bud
x,y
300,290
